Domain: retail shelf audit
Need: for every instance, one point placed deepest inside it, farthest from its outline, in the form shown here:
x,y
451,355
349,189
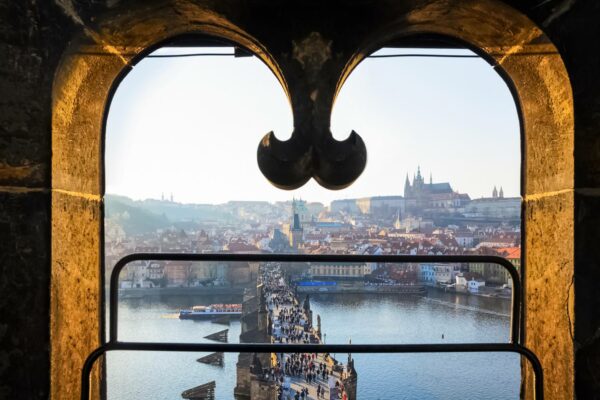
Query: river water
x,y
373,318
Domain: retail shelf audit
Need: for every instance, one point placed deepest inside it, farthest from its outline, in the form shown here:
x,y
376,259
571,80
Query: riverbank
x,y
487,292
362,289
138,293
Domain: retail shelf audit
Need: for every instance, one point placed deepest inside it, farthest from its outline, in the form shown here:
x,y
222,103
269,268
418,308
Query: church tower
x,y
495,193
501,194
296,233
407,187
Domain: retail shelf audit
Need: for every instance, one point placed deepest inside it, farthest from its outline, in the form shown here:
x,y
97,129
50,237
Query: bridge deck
x,y
306,371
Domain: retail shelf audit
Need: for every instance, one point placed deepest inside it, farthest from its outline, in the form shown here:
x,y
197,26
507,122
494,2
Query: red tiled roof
x,y
510,252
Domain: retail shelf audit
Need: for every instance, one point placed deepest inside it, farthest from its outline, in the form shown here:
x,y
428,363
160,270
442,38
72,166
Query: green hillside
x,y
132,218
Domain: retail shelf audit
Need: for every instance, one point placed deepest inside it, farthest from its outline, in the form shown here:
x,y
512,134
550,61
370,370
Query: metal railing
x,y
512,346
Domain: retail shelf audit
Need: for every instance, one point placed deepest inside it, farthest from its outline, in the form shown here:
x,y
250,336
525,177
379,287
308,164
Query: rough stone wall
x,y
573,27
31,42
75,300
587,299
262,390
249,323
243,386
24,295
351,386
33,36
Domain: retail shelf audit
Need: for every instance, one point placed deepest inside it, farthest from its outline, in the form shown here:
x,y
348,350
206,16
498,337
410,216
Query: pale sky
x,y
191,126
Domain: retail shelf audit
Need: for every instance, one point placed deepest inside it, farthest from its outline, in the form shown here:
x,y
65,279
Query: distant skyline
x,y
190,126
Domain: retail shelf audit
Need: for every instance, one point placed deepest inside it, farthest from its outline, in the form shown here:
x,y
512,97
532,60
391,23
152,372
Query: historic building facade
x,y
422,198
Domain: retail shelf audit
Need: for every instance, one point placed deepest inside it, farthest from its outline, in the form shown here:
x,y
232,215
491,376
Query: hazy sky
x,y
191,126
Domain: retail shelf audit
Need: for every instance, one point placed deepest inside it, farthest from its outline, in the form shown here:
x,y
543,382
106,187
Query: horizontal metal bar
x,y
269,257
316,348
114,279
115,345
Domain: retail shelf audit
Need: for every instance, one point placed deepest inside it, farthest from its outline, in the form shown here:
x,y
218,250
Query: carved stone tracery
x,y
312,151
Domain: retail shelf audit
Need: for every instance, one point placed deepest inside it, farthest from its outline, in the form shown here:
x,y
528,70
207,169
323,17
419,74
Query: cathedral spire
x,y
495,192
501,193
418,180
406,186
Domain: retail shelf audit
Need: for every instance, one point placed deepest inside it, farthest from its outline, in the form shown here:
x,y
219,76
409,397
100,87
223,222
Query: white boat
x,y
212,311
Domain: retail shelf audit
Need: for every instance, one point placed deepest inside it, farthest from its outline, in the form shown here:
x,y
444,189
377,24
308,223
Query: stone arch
x,y
103,52
534,71
89,72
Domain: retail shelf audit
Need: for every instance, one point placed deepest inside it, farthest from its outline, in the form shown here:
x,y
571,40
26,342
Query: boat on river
x,y
212,311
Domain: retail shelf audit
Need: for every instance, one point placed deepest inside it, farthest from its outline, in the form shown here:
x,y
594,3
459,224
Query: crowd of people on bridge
x,y
292,327
290,324
306,366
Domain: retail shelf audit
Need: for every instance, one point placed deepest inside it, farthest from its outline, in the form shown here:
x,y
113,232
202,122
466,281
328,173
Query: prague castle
x,y
436,201
420,197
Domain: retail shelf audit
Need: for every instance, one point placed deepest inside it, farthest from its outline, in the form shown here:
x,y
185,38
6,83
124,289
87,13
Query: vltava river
x,y
362,319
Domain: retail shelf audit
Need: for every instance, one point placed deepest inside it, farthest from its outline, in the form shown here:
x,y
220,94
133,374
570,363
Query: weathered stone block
x,y
75,290
24,295
549,290
587,300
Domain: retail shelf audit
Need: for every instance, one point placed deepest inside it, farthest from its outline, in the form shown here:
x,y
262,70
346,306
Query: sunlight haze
x,y
190,127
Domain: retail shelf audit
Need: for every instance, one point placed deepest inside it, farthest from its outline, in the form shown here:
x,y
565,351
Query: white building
x,y
464,238
508,208
438,274
340,270
468,281
474,285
